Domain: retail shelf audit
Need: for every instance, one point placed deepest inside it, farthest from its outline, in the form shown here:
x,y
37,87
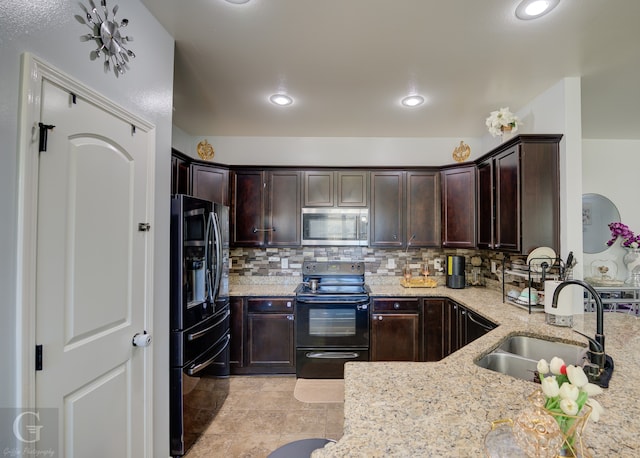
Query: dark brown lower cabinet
x,y
270,346
236,358
395,330
436,324
449,326
476,326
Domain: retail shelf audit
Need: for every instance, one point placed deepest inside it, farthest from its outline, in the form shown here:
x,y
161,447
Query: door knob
x,y
141,340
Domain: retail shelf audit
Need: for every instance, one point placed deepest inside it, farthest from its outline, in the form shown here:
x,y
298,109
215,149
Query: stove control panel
x,y
333,268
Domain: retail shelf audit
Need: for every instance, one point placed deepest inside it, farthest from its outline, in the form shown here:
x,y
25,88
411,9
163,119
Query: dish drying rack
x,y
535,273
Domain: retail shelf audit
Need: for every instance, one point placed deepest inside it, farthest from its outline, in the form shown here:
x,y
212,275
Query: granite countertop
x,y
445,408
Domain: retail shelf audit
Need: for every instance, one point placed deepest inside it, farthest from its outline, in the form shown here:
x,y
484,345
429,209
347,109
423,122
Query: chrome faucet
x,y
597,356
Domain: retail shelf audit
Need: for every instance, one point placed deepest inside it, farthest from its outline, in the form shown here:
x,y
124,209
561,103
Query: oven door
x,y
328,324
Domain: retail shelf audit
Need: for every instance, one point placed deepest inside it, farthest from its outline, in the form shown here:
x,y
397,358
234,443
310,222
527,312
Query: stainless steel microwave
x,y
335,226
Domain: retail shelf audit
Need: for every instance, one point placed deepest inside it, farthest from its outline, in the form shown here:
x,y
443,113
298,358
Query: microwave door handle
x,y
362,226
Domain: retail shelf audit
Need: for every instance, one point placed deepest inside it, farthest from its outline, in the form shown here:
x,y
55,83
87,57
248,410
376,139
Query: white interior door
x,y
91,278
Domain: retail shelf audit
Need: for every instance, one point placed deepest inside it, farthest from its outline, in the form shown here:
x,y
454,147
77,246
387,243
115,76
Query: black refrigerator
x,y
200,313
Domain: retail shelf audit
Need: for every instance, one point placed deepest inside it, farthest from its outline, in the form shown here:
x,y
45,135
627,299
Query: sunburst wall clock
x,y
108,37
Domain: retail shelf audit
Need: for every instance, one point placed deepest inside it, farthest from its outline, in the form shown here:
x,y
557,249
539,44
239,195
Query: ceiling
x,y
348,63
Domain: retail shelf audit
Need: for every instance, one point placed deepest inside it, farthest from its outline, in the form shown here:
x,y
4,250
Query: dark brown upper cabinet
x,y
423,208
459,207
330,188
519,195
180,183
265,208
210,182
386,219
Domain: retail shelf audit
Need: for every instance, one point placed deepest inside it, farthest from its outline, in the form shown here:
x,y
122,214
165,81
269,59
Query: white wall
x,y
49,30
609,168
555,111
335,151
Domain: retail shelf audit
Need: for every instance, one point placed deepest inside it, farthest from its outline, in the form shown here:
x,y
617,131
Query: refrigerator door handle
x,y
217,264
207,257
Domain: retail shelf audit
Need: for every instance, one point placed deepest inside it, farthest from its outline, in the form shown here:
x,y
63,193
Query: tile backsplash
x,y
285,264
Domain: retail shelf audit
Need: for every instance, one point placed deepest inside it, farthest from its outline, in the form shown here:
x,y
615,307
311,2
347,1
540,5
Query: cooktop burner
x,y
322,289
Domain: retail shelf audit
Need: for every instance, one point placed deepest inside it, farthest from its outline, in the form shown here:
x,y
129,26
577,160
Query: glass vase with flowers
x,y
631,242
562,407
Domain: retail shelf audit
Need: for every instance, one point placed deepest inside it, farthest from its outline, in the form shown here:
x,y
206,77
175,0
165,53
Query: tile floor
x,y
259,414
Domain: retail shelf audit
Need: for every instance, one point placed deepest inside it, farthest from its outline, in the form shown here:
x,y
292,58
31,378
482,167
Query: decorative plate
x,y
462,152
539,256
205,150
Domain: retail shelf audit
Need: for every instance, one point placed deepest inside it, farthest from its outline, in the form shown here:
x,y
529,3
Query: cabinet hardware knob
x,y
290,317
396,305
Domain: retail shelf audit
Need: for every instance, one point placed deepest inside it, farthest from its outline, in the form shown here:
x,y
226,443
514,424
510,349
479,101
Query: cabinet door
x,y
236,358
540,194
270,342
423,209
352,188
248,209
319,188
458,207
476,326
452,327
395,337
210,183
485,205
179,175
435,330
386,219
283,217
507,225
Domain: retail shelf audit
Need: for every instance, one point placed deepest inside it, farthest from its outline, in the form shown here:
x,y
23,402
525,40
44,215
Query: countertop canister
x,y
562,315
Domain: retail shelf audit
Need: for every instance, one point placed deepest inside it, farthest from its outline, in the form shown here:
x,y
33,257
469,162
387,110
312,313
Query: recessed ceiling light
x,y
238,2
532,9
281,99
412,100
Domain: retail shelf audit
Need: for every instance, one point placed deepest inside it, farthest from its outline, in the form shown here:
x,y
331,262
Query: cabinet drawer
x,y
392,305
270,305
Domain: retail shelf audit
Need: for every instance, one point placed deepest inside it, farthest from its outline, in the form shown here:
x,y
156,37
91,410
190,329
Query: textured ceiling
x,y
348,63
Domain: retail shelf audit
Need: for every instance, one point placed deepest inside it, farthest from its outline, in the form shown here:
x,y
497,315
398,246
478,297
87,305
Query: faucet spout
x,y
597,354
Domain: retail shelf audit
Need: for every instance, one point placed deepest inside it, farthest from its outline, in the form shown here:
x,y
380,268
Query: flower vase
x,y
506,132
631,261
540,432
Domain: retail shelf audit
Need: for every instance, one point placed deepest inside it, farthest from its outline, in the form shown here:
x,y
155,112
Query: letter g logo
x,y
32,429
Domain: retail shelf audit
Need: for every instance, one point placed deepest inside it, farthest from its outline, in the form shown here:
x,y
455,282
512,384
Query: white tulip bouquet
x,y
566,391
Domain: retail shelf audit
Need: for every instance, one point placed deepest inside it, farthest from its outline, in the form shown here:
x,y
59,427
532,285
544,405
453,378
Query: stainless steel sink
x,y
518,355
537,349
509,364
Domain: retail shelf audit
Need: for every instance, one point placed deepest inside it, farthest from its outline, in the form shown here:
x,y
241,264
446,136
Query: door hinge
x,y
144,227
44,128
38,357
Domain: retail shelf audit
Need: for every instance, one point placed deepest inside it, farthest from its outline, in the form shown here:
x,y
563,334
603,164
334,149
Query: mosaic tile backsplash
x,y
285,264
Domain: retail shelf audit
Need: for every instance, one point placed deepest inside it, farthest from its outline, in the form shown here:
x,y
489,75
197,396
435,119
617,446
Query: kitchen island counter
x,y
445,408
